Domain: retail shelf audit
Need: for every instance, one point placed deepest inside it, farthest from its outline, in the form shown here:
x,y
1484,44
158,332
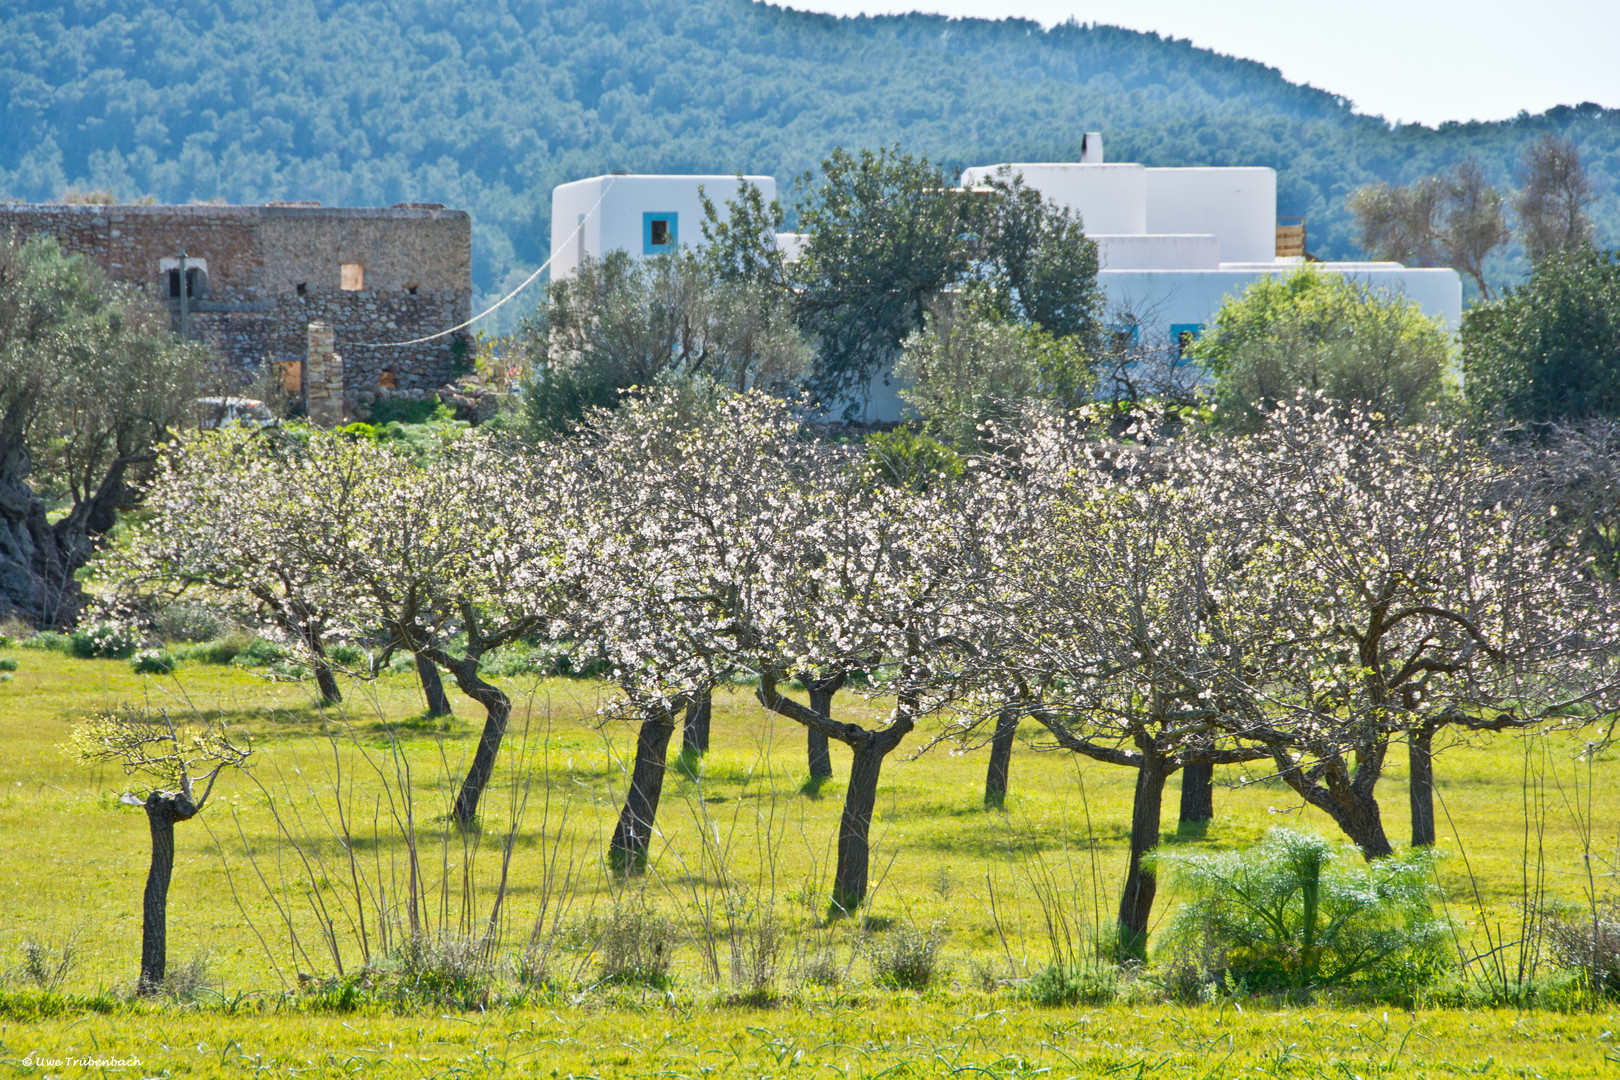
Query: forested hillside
x,y
488,106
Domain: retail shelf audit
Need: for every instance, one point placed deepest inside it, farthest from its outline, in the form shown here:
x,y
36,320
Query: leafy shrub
x,y
8,663
191,621
906,957
153,662
1295,914
904,458
219,651
258,652
1589,942
406,411
348,656
821,969
45,639
1060,984
188,981
107,640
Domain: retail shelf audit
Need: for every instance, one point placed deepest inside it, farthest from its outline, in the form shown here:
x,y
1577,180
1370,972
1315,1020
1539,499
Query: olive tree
x,y
1450,219
1314,332
620,322
886,233
1553,199
92,382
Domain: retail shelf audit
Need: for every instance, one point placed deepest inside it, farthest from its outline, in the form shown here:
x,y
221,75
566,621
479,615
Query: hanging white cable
x,y
495,306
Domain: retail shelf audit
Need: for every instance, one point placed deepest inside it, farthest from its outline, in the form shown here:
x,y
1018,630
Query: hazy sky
x,y
1405,60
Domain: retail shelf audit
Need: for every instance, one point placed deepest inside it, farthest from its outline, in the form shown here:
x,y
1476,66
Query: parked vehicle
x,y
216,412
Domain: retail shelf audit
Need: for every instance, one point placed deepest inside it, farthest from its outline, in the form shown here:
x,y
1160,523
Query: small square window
x,y
1184,334
352,278
660,231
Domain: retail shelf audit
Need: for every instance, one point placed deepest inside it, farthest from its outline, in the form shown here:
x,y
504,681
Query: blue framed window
x,y
1184,334
660,231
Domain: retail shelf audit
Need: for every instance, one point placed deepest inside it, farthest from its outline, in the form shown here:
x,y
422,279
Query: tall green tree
x,y
1550,349
884,234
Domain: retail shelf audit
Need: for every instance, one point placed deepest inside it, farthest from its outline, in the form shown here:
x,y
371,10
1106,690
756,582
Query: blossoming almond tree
x,y
1105,582
215,527
464,545
732,541
1417,588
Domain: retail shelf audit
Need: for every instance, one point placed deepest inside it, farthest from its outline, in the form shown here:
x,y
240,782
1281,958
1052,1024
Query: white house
x,y
639,214
1172,243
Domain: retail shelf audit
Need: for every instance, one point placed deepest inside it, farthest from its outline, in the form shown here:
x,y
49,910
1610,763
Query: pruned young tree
x,y
177,761
92,382
1453,219
1553,197
1416,591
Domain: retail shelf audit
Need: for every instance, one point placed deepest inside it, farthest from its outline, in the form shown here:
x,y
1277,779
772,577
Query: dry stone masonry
x,y
259,276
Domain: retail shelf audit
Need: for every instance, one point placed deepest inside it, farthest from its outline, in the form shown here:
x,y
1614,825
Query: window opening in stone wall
x,y
194,283
303,288
352,277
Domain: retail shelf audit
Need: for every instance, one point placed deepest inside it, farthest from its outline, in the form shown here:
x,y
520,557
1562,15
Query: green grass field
x,y
275,912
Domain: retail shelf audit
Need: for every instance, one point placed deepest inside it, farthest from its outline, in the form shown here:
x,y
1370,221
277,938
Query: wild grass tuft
x,y
906,957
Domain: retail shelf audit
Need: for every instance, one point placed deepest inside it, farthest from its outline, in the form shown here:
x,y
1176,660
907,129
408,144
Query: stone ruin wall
x,y
417,278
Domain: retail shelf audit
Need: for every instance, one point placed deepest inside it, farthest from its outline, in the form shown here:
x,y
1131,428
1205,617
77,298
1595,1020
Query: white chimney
x,y
1091,148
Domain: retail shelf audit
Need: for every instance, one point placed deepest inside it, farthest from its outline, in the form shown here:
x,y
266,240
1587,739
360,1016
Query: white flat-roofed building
x,y
1172,243
642,215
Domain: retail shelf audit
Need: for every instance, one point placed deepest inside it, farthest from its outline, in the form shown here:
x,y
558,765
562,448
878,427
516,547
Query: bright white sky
x,y
1422,61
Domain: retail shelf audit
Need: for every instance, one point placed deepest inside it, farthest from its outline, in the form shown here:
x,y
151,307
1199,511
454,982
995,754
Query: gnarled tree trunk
x,y
632,836
695,729
1348,798
855,825
438,702
163,809
36,582
1420,752
1001,748
1141,885
498,709
1197,793
817,751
